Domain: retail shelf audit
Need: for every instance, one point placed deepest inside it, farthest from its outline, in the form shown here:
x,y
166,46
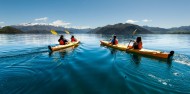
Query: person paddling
x,y
114,40
62,40
73,39
137,44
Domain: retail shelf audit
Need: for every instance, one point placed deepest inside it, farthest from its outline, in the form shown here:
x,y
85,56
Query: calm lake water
x,y
26,67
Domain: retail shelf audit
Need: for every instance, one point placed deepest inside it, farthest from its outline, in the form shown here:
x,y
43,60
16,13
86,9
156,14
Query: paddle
x,y
132,37
134,32
112,36
49,47
67,32
54,32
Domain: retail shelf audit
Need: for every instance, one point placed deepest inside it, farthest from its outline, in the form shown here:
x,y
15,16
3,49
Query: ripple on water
x,y
89,68
182,59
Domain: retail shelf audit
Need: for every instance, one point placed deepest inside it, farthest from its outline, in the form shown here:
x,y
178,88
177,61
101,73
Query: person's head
x,y
61,37
138,39
72,36
114,37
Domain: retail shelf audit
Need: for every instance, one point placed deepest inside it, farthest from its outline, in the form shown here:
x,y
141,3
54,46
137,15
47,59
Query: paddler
x,y
114,40
137,44
73,39
62,40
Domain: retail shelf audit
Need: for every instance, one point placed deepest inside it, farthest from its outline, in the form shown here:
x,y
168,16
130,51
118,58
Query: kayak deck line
x,y
152,53
59,47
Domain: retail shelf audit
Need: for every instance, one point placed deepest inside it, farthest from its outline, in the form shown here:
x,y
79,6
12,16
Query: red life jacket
x,y
116,41
140,45
73,40
137,45
61,42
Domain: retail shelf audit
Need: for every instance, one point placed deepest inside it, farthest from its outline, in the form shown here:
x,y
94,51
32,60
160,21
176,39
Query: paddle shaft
x,y
129,43
132,37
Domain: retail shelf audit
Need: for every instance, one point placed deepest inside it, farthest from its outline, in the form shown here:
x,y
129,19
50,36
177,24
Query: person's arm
x,y
133,40
66,41
112,41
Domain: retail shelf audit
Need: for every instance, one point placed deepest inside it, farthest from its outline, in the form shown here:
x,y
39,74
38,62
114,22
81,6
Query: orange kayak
x,y
147,52
59,47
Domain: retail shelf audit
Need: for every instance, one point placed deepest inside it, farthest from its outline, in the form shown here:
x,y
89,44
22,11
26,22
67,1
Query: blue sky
x,y
95,13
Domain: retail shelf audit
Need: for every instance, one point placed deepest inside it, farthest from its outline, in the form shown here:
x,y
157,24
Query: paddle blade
x,y
54,32
67,32
134,31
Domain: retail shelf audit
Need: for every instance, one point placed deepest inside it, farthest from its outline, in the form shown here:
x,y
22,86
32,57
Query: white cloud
x,y
132,21
2,22
31,24
42,19
59,23
80,27
55,23
146,20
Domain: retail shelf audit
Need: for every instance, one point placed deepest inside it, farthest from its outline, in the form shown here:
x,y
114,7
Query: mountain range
x,y
174,30
126,28
120,28
46,29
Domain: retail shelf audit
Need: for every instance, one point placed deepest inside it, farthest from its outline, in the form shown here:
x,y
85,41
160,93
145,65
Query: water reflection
x,y
60,53
136,58
113,51
91,65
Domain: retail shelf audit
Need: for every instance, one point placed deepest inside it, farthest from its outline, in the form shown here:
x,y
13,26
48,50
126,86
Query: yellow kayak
x,y
147,52
59,47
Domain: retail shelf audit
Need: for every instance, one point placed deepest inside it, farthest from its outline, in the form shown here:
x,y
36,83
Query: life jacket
x,y
138,45
116,41
61,42
73,40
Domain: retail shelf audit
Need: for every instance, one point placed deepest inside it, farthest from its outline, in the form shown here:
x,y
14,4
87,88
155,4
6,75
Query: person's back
x,y
62,40
114,41
138,44
73,39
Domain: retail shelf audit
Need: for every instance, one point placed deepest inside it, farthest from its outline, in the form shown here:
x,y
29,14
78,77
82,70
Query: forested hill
x,y
120,28
10,30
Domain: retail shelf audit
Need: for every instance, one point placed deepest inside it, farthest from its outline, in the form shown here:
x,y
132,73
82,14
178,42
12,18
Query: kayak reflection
x,y
62,52
136,58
